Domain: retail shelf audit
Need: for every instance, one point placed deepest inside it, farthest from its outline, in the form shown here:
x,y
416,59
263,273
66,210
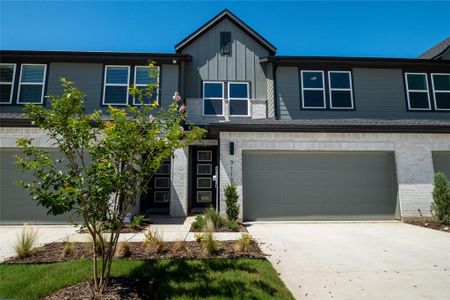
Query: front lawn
x,y
180,279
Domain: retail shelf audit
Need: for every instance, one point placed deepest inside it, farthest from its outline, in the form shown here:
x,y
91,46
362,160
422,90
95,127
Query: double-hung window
x,y
313,89
441,90
417,91
7,75
341,96
115,89
238,94
213,98
31,84
147,83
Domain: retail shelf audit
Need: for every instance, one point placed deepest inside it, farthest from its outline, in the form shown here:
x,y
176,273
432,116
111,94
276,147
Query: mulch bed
x,y
223,228
53,252
126,228
424,222
118,288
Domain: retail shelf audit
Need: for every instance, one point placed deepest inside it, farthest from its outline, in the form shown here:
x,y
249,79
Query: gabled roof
x,y
226,14
437,50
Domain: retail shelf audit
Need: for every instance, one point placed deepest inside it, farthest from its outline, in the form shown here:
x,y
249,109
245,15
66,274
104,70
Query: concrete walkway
x,y
358,260
170,229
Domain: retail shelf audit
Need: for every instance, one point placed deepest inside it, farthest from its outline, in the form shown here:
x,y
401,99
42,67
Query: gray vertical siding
x,y
169,84
378,94
208,64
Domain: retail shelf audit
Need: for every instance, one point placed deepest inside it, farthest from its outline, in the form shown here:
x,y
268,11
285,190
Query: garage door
x,y
319,185
16,205
441,161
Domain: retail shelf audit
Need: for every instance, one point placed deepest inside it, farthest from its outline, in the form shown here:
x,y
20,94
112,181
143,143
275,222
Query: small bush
x,y
67,248
26,241
179,246
243,244
440,208
98,243
214,216
153,239
199,222
198,237
233,225
210,245
137,221
123,249
231,200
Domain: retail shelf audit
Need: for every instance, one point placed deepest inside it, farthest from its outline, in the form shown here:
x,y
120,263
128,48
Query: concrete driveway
x,y
358,260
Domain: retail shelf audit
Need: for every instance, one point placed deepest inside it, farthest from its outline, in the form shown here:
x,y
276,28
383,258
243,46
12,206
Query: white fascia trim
x,y
313,89
115,84
32,83
11,83
214,98
417,91
341,89
137,84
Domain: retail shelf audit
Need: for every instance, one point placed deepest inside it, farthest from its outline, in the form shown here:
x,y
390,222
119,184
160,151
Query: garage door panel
x,y
361,188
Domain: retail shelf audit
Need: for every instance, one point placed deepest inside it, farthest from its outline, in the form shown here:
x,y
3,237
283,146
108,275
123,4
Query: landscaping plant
x,y
233,225
26,241
123,249
137,221
440,207
231,200
210,245
68,248
243,244
213,215
107,161
153,239
199,222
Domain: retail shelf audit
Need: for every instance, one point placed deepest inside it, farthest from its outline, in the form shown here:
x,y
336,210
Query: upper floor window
x,y
417,91
31,84
238,94
213,98
341,95
313,89
225,42
143,79
115,89
441,90
7,75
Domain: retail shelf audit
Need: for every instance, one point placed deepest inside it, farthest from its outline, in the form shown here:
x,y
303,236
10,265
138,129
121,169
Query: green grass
x,y
173,279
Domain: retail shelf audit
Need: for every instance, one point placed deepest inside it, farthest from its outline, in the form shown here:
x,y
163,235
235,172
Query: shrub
x,y
243,244
210,245
214,216
136,222
67,248
26,241
440,208
233,225
123,249
179,246
153,240
198,237
199,222
231,200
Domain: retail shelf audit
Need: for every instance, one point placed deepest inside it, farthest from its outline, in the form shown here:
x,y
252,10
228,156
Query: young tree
x,y
107,162
231,199
440,207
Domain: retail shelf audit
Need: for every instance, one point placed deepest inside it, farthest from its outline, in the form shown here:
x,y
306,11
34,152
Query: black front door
x,y
156,198
203,170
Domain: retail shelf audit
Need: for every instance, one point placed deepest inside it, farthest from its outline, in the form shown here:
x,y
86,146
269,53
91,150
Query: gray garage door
x,y
16,205
282,185
441,162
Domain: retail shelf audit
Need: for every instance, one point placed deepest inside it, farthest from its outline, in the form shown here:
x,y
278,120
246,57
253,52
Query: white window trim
x,y
417,91
144,85
438,91
198,155
161,192
239,99
32,83
115,84
350,89
210,196
214,98
11,83
204,187
313,89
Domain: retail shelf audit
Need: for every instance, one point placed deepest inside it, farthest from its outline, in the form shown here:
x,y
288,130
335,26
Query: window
x,y
225,42
7,75
115,90
441,90
213,98
204,183
313,89
161,196
204,196
238,94
164,169
204,169
142,79
31,85
417,91
341,96
204,155
162,182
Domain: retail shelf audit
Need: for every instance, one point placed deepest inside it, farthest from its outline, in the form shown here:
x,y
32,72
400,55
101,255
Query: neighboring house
x,y
304,138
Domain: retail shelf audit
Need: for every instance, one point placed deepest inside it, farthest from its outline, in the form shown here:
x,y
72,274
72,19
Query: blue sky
x,y
382,29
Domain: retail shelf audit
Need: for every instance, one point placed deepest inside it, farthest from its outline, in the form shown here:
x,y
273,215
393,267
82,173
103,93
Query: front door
x,y
203,184
156,198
